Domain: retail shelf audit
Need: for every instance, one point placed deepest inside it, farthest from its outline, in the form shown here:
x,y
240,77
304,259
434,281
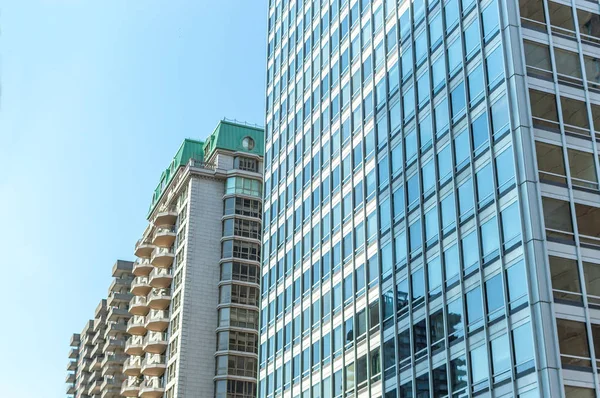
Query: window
x,y
494,64
573,342
454,320
581,166
465,199
490,241
494,297
550,161
523,349
511,226
479,367
485,186
505,172
474,308
565,280
500,358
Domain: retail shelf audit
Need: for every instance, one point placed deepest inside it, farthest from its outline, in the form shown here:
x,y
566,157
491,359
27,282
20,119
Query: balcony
x,y
157,320
130,387
116,313
132,366
75,340
98,337
152,388
94,388
155,342
115,328
140,286
96,363
166,216
135,345
135,326
71,389
159,299
72,365
164,237
142,267
110,387
160,277
162,257
154,365
70,378
113,344
96,351
73,353
138,305
143,248
119,284
116,298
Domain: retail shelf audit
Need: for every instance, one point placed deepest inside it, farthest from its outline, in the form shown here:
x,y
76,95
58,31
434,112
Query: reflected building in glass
x,y
432,208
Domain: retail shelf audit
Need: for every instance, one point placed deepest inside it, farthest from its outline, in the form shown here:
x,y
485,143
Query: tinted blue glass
x,y
458,101
495,66
408,101
395,117
423,88
451,264
425,132
415,236
428,175
500,116
438,70
465,198
454,56
451,12
490,242
454,319
511,225
505,168
485,185
489,18
444,159
421,48
410,144
407,62
431,225
434,273
393,78
470,250
494,296
398,198
405,24
474,306
479,364
461,148
441,118
476,84
436,30
413,189
517,281
418,284
384,215
479,130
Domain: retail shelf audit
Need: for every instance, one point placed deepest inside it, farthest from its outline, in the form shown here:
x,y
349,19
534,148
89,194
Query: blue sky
x,y
96,97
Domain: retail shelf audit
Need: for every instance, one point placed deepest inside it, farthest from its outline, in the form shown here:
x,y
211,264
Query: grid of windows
x,y
394,256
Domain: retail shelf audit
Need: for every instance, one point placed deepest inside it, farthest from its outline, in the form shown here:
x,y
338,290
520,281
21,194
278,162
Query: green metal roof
x,y
227,135
230,135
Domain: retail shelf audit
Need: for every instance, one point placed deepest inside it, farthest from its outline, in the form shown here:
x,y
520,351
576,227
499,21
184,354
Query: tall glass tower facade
x,y
432,208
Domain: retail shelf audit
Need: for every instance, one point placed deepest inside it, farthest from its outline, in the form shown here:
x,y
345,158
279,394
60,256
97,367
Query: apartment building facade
x,y
432,207
194,311
97,353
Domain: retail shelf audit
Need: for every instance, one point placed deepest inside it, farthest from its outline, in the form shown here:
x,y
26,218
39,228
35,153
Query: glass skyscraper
x,y
432,208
